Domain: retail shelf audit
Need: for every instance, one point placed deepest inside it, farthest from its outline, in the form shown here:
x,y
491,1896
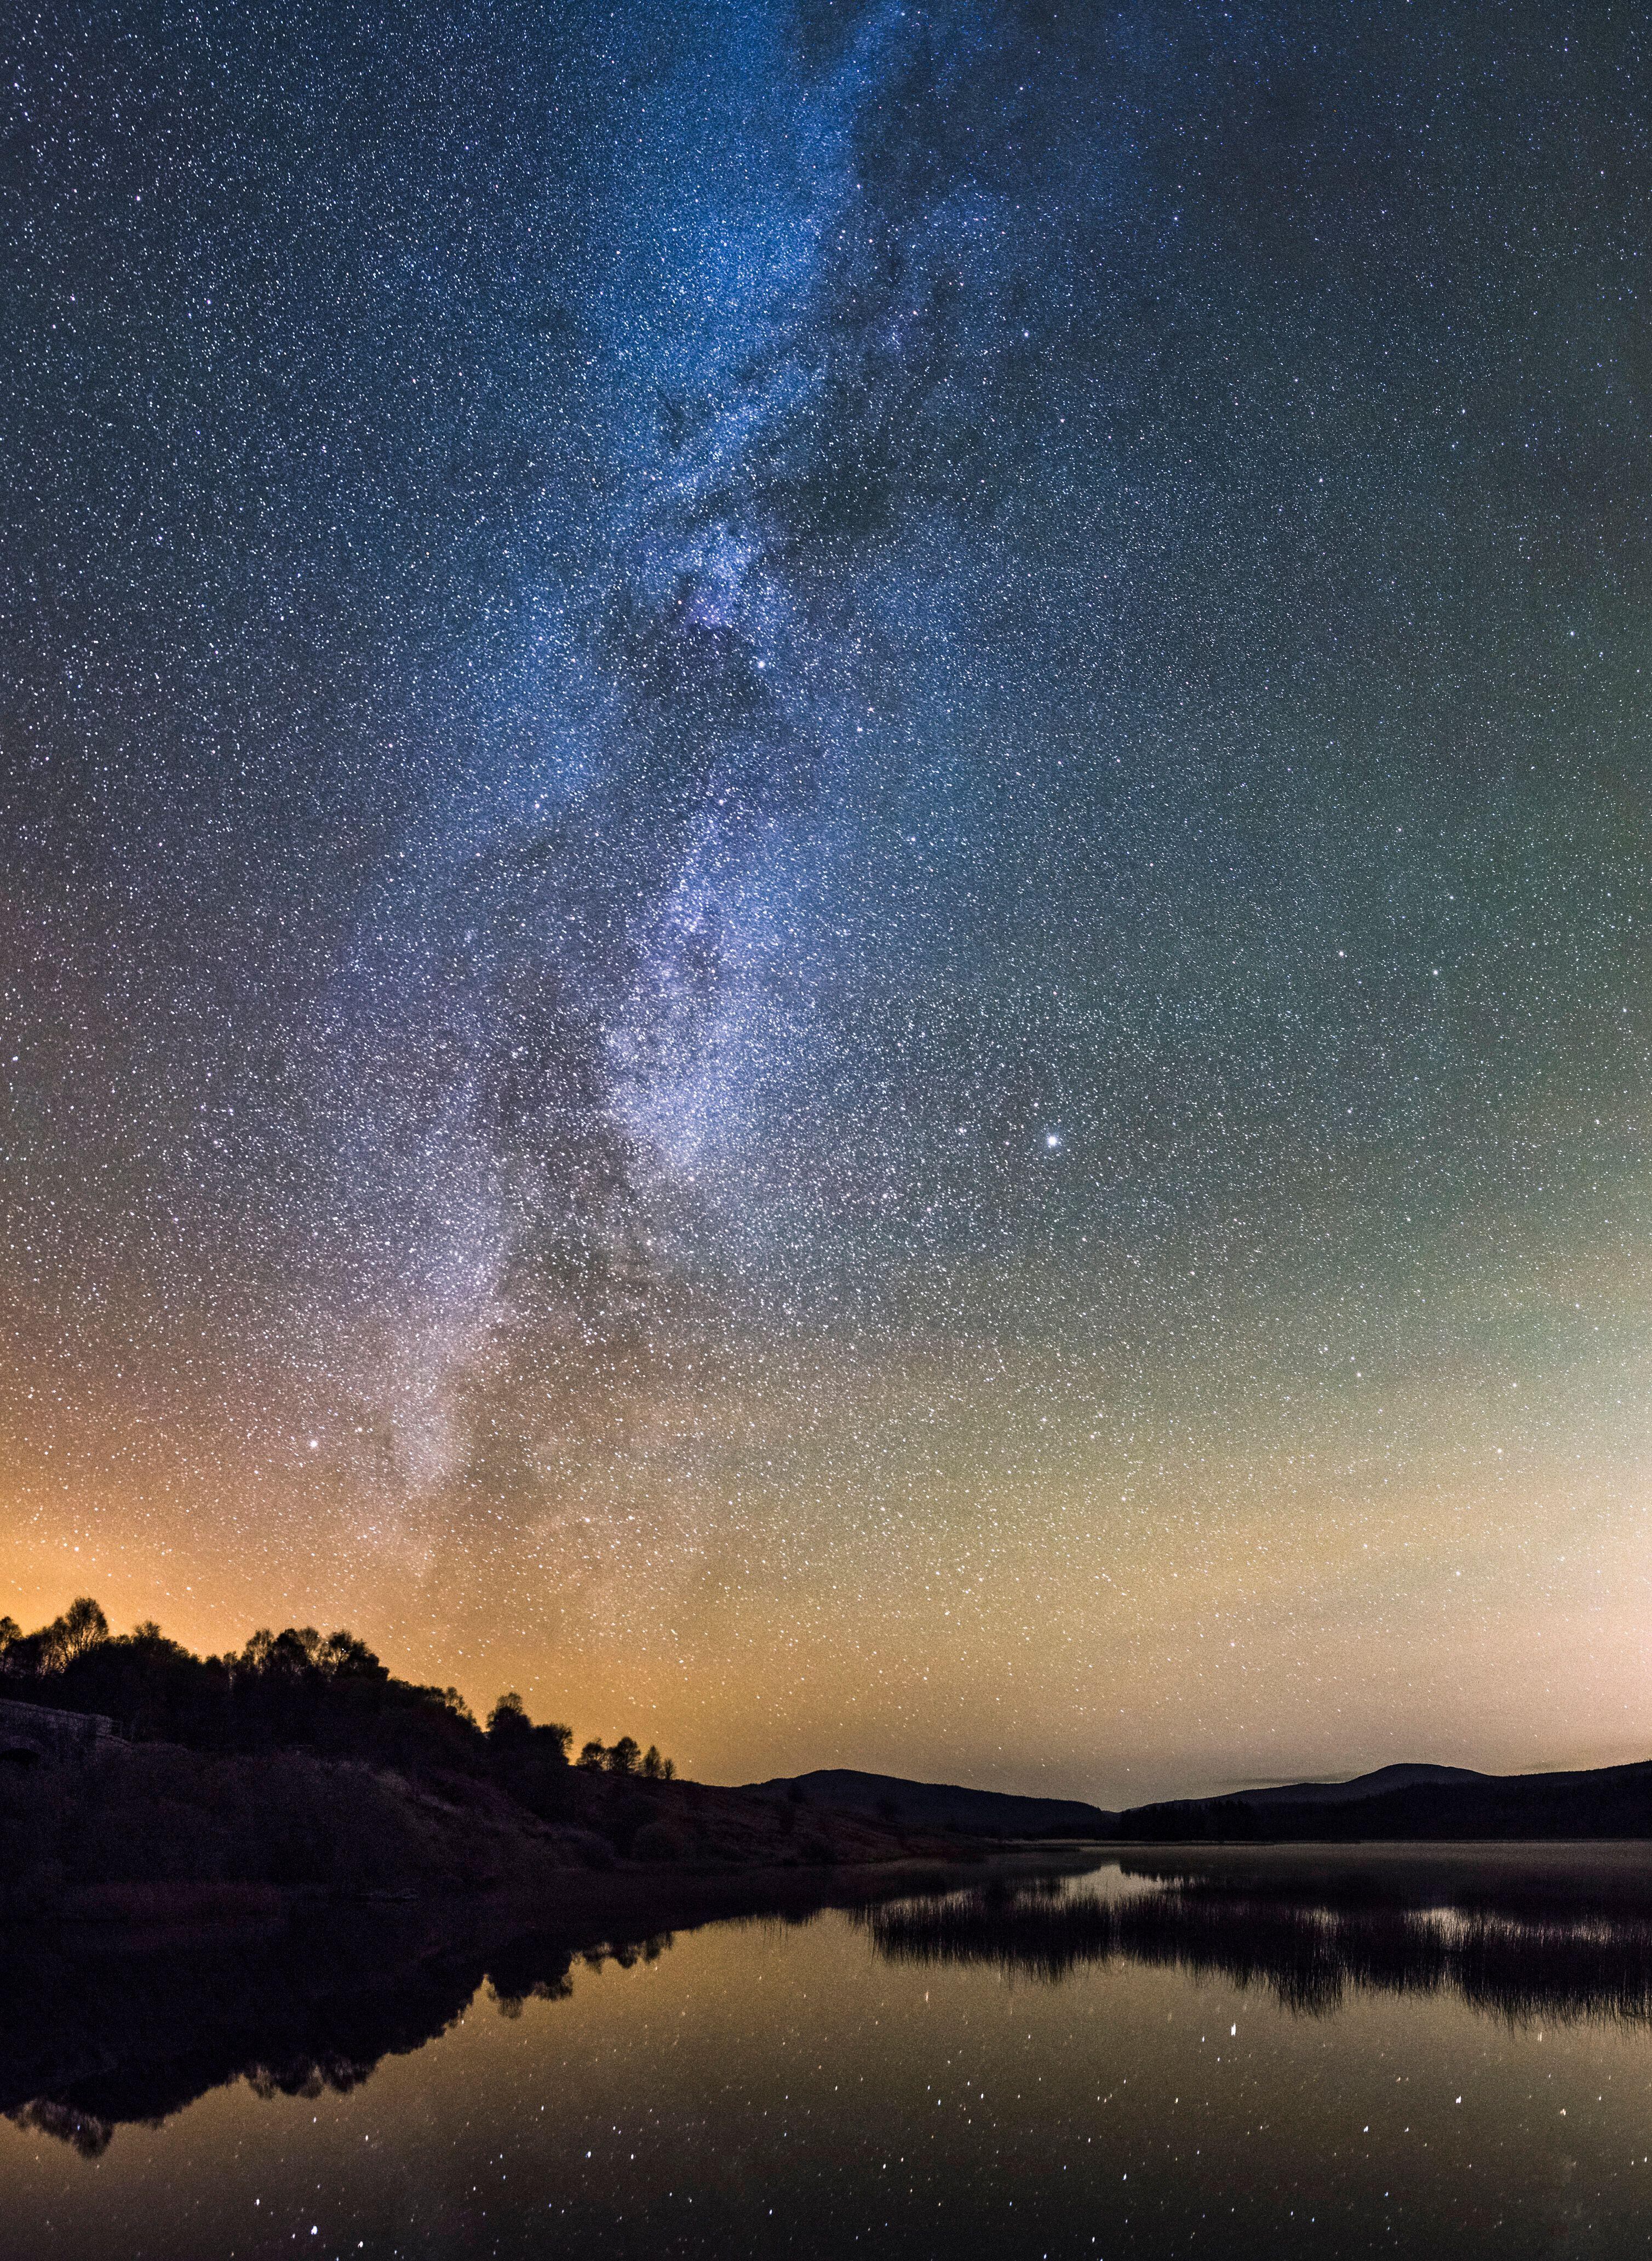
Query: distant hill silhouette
x,y
1408,1801
941,1805
1338,1793
1411,1802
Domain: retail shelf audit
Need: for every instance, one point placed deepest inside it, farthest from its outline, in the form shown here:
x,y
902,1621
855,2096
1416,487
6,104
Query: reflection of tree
x,y
543,1990
95,2036
1309,1954
307,2076
88,2047
514,1985
86,2135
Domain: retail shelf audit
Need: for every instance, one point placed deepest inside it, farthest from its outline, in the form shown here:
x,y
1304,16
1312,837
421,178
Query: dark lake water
x,y
1272,2053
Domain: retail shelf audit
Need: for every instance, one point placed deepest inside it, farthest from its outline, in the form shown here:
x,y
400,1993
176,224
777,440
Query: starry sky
x,y
823,868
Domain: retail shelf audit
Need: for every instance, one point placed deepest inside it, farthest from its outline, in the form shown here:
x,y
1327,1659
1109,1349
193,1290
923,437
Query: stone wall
x,y
31,1735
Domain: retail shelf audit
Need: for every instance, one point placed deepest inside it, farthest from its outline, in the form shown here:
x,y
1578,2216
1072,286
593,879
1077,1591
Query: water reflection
x,y
445,2079
96,2032
90,2040
1523,1940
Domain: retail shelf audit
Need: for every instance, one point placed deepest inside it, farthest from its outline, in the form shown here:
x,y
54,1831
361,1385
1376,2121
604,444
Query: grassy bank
x,y
149,1830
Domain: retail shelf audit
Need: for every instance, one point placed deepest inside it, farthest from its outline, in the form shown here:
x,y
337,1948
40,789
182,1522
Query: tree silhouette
x,y
508,1721
301,1689
56,1646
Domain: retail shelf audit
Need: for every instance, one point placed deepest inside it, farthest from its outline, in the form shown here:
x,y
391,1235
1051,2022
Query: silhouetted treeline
x,y
297,1690
300,1764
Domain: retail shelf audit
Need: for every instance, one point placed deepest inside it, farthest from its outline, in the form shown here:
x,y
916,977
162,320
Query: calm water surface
x,y
1312,2063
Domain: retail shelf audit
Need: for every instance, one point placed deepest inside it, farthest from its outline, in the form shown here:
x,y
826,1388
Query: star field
x,y
824,844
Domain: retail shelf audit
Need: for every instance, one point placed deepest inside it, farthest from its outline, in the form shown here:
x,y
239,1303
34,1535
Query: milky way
x,y
825,846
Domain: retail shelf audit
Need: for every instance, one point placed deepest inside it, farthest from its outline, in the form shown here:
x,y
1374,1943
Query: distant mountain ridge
x,y
1411,1799
941,1805
1411,1802
1008,1813
1402,1777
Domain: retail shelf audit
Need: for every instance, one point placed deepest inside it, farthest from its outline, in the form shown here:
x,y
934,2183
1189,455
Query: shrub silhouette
x,y
657,1841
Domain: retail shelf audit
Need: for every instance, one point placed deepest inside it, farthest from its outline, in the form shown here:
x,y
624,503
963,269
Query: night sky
x,y
823,868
